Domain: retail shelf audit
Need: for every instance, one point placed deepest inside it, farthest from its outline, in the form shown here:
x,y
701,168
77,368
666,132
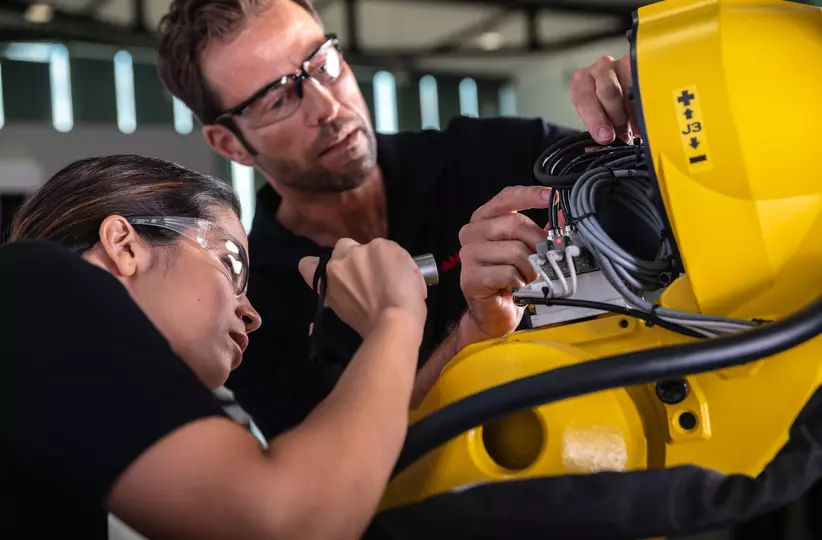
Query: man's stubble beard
x,y
318,179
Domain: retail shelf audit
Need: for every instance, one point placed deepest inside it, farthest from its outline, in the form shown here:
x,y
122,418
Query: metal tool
x,y
428,267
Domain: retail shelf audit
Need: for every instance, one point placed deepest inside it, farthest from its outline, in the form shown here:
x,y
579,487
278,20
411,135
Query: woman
x,y
113,334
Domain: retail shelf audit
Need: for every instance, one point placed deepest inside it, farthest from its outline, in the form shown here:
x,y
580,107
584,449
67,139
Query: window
x,y
469,98
385,102
508,100
26,91
183,119
153,104
62,110
429,103
2,111
92,91
242,178
124,90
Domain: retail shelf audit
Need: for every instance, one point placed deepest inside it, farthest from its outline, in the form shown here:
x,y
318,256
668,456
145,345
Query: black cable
x,y
618,371
620,310
546,168
554,215
320,286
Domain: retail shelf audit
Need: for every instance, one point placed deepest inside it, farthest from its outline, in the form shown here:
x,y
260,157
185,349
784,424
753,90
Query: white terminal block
x,y
591,286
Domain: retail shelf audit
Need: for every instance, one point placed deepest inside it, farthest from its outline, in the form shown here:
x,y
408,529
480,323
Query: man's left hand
x,y
496,245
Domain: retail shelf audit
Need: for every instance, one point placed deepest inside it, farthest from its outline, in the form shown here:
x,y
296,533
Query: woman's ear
x,y
123,251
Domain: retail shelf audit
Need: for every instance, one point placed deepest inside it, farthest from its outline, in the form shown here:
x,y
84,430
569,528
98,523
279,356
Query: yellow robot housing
x,y
701,354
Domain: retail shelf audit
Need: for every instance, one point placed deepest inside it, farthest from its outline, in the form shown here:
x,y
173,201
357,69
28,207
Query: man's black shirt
x,y
88,385
435,181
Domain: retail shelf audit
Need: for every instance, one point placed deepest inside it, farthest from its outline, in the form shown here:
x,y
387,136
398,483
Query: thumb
x,y
308,267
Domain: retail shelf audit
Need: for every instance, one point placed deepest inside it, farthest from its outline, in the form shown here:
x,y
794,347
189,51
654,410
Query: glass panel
x,y
367,89
408,102
385,98
124,91
429,102
60,82
469,98
488,93
92,91
154,104
26,91
449,98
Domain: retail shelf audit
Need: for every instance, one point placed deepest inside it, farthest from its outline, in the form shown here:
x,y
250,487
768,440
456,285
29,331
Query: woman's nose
x,y
246,312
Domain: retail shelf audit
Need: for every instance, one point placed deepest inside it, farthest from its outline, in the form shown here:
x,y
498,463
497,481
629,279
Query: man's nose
x,y
321,106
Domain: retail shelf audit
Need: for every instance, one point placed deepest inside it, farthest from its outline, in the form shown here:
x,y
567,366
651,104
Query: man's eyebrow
x,y
315,46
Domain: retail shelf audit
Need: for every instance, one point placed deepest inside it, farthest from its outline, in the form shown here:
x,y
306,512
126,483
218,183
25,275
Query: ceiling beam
x,y
92,6
352,24
407,58
595,7
66,26
458,38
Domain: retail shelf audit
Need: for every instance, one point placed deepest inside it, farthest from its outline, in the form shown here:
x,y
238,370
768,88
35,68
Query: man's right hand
x,y
600,94
367,281
496,245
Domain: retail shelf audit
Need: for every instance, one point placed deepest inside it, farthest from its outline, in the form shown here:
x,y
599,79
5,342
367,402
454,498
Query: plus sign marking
x,y
686,98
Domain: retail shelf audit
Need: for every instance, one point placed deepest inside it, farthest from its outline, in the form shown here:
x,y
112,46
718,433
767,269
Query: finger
x,y
489,280
342,247
308,267
510,227
584,97
510,253
623,71
423,284
514,199
611,95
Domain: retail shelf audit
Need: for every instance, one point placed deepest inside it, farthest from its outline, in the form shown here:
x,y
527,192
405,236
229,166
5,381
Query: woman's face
x,y
187,294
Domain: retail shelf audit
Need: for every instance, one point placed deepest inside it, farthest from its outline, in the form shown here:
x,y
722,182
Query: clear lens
x,y
232,257
326,65
282,99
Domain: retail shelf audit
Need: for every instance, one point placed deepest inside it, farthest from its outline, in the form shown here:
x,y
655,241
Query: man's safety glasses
x,y
281,98
222,245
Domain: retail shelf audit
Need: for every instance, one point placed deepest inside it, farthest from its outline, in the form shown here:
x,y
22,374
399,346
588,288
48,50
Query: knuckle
x,y
507,193
520,224
609,91
464,234
333,267
604,62
522,252
467,254
579,78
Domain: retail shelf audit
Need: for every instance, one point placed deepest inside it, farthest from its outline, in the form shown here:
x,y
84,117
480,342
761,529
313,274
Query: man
x,y
274,92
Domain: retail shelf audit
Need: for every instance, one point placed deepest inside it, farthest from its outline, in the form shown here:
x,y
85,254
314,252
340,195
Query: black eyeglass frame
x,y
299,77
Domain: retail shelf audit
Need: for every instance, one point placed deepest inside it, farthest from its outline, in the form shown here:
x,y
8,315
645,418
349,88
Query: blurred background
x,y
78,79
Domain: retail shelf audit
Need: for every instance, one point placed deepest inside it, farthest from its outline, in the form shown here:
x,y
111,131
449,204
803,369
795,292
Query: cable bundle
x,y
576,177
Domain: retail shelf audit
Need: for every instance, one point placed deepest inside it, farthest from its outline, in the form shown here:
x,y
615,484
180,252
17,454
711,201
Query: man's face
x,y
327,145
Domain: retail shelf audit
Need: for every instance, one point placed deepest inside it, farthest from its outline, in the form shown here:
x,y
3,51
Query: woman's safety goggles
x,y
222,245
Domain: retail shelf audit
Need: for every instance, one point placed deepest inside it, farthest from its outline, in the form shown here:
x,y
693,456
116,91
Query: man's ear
x,y
225,143
125,253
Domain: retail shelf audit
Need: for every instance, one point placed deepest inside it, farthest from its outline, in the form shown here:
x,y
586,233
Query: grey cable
x,y
620,267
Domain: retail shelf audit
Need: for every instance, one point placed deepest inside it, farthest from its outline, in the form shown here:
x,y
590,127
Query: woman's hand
x,y
368,282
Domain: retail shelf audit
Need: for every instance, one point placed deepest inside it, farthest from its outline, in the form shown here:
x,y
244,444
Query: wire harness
x,y
578,170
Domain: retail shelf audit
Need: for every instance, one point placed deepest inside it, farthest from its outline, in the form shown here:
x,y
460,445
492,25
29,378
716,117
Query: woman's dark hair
x,y
72,205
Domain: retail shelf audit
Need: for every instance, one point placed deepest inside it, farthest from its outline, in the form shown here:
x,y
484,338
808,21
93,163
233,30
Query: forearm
x,y
464,334
341,457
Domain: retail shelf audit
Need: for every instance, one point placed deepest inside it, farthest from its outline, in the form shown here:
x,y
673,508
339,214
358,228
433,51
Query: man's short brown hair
x,y
186,30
